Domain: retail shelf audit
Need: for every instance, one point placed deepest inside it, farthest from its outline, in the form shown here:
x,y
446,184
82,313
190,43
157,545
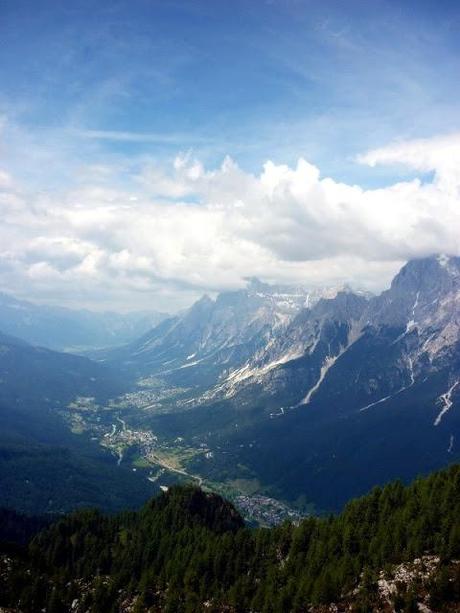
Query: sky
x,y
152,151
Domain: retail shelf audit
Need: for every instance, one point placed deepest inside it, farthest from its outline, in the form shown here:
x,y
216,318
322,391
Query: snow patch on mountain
x,y
384,399
443,260
326,366
446,402
353,335
411,323
256,372
410,364
411,370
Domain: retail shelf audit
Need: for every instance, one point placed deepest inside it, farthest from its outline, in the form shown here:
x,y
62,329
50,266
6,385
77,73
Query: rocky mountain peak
x,y
254,284
417,292
434,273
202,303
346,305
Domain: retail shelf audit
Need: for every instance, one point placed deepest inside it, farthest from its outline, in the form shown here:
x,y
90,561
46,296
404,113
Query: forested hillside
x,y
188,550
47,466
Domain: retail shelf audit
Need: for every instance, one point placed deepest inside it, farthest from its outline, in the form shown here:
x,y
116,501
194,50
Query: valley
x,y
265,394
352,389
164,461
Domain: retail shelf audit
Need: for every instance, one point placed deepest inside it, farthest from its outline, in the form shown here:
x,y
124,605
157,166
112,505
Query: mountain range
x,y
309,397
65,329
298,390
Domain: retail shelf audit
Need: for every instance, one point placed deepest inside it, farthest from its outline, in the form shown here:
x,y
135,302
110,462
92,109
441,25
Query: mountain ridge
x,y
352,390
61,328
294,404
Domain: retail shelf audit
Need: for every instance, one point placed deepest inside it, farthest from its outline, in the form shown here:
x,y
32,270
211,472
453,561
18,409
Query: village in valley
x,y
163,461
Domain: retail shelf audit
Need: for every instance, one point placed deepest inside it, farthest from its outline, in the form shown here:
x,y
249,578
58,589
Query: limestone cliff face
x,y
285,342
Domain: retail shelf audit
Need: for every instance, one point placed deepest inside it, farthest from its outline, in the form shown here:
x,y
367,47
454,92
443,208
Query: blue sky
x,y
111,87
254,80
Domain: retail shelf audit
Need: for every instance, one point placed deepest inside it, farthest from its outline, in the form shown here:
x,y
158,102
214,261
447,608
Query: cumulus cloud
x,y
440,155
182,229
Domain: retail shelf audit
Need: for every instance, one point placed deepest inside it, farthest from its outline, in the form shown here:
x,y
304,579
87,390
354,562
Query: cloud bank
x,y
172,232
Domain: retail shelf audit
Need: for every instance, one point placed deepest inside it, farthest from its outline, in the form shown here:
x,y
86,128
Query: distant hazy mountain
x,y
67,329
38,378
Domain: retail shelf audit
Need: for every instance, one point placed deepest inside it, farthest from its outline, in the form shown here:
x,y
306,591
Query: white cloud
x,y
5,180
440,155
183,229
